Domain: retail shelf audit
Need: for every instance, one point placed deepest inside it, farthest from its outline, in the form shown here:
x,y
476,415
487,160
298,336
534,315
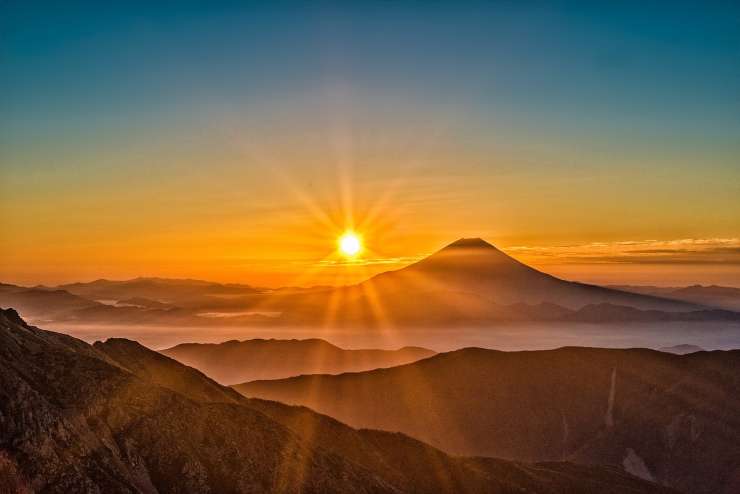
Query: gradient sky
x,y
235,140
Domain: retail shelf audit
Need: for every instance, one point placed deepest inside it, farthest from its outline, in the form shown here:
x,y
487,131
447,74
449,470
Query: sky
x,y
235,141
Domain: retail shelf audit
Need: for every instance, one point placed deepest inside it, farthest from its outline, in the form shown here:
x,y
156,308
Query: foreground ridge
x,y
674,419
118,418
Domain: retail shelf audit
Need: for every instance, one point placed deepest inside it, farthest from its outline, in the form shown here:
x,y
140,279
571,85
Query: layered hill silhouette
x,y
469,282
720,297
176,292
238,361
472,282
681,349
138,301
670,418
43,303
119,418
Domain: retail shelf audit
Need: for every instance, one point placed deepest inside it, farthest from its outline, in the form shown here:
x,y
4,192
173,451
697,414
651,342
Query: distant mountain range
x,y
238,361
720,297
682,349
469,282
180,293
669,418
119,418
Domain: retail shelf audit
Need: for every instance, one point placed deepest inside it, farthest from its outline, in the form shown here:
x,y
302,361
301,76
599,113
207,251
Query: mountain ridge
x,y
238,361
666,417
467,282
480,266
119,418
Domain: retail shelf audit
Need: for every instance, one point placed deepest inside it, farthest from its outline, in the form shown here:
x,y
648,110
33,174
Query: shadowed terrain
x,y
238,361
118,417
671,418
721,297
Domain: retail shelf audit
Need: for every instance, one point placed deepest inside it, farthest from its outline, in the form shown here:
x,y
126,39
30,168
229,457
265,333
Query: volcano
x,y
474,266
471,282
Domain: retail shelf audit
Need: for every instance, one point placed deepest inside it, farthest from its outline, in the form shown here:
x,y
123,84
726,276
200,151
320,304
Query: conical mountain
x,y
474,266
473,260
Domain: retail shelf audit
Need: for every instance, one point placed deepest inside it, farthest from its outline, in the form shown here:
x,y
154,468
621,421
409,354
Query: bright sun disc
x,y
349,244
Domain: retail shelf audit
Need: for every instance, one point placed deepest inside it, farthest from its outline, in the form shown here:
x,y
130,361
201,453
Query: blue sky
x,y
664,64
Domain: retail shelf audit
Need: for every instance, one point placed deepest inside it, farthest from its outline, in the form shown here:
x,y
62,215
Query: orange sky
x,y
290,237
236,146
266,210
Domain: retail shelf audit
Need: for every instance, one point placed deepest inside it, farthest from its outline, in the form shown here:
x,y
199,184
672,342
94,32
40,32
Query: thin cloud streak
x,y
370,262
716,251
679,251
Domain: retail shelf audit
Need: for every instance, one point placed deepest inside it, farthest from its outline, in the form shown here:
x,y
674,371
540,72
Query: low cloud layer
x,y
724,251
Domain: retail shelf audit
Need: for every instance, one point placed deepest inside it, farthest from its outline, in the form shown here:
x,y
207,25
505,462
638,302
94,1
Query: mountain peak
x,y
13,316
469,243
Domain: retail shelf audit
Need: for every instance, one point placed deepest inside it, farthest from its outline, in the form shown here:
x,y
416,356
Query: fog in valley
x,y
709,336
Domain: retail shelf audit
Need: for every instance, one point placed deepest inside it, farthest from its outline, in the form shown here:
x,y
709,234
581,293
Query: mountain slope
x,y
118,418
394,457
43,303
721,297
672,418
681,349
249,360
472,265
75,422
174,291
469,282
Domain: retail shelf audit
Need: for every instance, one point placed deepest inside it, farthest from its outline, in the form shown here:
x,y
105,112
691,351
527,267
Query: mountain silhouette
x,y
681,349
472,265
238,361
469,282
119,418
42,302
182,293
671,418
720,297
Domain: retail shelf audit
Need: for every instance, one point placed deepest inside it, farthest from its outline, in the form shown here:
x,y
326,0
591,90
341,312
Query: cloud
x,y
371,262
714,251
722,251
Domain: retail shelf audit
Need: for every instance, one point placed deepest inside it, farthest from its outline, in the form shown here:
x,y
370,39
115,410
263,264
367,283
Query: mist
x,y
510,337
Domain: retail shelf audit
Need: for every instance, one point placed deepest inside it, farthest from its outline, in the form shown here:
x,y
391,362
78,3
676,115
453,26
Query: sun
x,y
349,244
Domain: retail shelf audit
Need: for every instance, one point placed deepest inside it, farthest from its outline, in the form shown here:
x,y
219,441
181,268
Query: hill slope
x,y
172,291
675,419
472,265
721,297
238,361
118,418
